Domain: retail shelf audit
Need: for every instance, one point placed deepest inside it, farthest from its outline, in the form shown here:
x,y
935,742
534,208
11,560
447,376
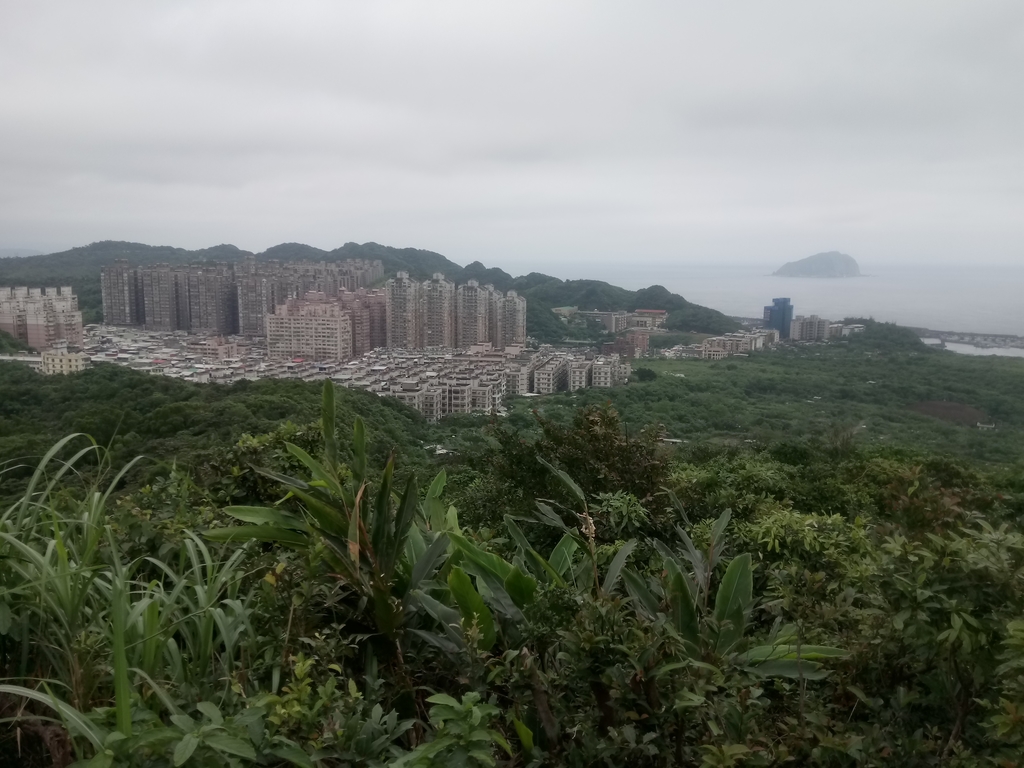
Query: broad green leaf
x,y
265,516
444,699
638,590
444,644
183,751
232,745
682,605
542,567
615,569
293,755
548,516
520,587
561,555
209,709
732,601
798,668
525,735
433,508
487,560
324,475
567,481
472,606
429,561
271,533
808,652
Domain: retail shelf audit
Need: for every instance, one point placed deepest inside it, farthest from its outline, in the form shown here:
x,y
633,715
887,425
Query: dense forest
x,y
80,267
299,580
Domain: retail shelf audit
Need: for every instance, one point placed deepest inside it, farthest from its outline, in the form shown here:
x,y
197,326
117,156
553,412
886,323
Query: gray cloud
x,y
519,134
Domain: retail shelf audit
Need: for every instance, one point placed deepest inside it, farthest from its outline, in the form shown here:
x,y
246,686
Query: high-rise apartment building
x,y
495,317
368,310
472,302
212,299
779,315
41,317
313,327
222,298
438,312
514,328
404,315
122,294
257,297
164,298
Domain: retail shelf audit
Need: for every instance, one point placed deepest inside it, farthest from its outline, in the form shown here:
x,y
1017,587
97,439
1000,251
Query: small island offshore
x,y
830,264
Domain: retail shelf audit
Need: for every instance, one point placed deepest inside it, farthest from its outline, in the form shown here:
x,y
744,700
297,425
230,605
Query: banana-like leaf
x,y
732,601
520,587
266,516
682,606
493,591
472,607
271,533
808,652
561,555
541,566
717,532
615,569
433,508
642,596
567,481
382,510
798,668
548,516
320,473
445,644
672,562
405,516
486,560
525,735
429,561
448,618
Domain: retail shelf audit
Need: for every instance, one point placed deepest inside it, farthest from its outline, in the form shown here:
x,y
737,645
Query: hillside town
x,y
438,347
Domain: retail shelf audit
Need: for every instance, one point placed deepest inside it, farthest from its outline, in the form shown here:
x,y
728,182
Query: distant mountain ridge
x,y
80,268
828,264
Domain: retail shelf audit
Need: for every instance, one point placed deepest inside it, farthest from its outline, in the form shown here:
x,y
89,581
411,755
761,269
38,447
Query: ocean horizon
x,y
976,299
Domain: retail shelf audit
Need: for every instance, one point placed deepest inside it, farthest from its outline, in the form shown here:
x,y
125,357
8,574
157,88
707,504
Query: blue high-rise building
x,y
779,315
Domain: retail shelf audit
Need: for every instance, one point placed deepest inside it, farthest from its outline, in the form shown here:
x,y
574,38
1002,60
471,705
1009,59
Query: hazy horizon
x,y
572,133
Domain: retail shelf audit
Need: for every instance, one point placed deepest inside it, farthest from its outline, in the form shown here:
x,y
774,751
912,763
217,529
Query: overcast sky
x,y
523,134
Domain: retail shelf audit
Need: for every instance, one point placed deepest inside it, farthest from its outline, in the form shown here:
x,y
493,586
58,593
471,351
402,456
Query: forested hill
x,y
80,268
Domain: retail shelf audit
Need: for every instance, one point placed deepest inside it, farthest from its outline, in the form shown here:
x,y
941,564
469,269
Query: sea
x,y
982,299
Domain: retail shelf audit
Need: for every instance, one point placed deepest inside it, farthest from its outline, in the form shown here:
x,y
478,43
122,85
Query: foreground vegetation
x,y
584,597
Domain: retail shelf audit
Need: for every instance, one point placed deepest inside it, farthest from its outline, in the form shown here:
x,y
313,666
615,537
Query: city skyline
x,y
325,310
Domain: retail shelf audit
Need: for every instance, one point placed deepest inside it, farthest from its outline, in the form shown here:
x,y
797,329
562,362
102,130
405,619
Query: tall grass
x,y
78,631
